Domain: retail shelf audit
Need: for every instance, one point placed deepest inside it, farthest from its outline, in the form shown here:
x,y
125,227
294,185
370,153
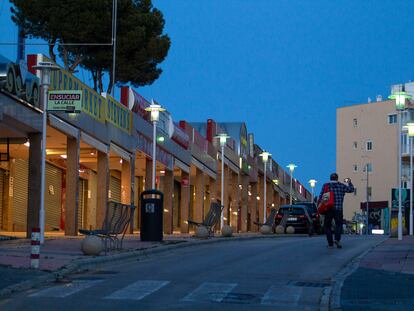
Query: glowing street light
x,y
223,140
265,157
46,69
400,98
291,167
312,184
155,110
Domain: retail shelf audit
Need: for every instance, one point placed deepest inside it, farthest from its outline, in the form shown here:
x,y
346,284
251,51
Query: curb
x,y
81,264
334,293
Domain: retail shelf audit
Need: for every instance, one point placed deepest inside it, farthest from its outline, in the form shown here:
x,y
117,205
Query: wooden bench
x,y
117,218
211,220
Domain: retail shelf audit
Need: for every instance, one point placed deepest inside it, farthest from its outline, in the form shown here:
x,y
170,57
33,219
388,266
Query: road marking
x,y
279,294
207,291
138,290
65,290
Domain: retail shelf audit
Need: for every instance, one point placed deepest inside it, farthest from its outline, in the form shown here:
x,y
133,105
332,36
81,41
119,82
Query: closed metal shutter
x,y
20,193
81,203
115,188
53,197
1,197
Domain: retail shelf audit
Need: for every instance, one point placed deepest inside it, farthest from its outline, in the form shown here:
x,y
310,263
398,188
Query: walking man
x,y
339,189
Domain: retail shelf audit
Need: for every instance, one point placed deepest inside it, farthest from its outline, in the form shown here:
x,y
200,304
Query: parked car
x,y
297,217
313,213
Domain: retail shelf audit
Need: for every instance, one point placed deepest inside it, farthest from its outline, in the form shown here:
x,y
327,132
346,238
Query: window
x,y
355,191
392,119
355,168
369,145
368,167
355,122
355,145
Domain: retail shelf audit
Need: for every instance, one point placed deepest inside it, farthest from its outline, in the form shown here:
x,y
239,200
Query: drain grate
x,y
310,284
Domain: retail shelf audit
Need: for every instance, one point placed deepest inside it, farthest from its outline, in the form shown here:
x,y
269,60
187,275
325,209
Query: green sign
x,y
66,100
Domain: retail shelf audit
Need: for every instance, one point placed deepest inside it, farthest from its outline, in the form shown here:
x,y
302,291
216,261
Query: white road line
x,y
66,290
210,292
138,290
279,294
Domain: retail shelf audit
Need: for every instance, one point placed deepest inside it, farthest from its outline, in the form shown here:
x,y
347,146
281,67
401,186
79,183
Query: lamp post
x,y
45,70
410,127
265,157
399,97
291,167
155,116
312,184
223,140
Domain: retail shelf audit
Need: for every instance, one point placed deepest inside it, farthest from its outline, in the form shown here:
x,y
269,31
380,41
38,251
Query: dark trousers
x,y
337,215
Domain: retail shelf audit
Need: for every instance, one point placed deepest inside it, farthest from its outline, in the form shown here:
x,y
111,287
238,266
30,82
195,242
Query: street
x,y
289,273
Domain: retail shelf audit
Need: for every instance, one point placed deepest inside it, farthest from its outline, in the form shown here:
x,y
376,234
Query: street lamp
x,y
291,167
312,184
410,127
223,140
45,70
265,157
155,110
399,97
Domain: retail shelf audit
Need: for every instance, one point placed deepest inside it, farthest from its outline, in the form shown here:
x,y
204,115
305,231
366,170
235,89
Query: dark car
x,y
313,213
296,216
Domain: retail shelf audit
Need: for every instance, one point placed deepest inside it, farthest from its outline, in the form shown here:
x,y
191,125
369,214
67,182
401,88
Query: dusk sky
x,y
283,67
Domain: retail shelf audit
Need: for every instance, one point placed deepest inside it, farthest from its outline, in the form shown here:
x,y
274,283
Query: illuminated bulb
x,y
27,144
258,198
64,156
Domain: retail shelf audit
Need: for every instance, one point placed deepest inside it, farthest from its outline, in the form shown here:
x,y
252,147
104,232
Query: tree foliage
x,y
68,24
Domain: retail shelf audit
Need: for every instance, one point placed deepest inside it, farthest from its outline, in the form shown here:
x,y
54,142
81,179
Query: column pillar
x,y
72,186
235,191
185,202
261,195
213,186
148,174
269,199
127,185
35,175
102,188
244,202
227,180
199,196
168,201
253,206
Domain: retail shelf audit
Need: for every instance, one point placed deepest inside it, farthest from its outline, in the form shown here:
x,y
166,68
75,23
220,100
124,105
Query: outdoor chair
x,y
211,220
270,220
115,225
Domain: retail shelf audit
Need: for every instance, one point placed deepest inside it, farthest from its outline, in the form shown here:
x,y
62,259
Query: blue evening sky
x,y
282,66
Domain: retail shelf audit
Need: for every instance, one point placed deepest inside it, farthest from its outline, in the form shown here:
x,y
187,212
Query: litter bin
x,y
152,208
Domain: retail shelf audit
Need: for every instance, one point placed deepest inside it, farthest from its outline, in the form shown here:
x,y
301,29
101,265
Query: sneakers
x,y
338,244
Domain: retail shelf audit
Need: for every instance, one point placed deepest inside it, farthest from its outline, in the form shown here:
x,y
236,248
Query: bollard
x,y
35,250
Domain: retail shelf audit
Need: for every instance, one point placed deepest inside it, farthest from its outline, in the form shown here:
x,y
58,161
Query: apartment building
x,y
366,152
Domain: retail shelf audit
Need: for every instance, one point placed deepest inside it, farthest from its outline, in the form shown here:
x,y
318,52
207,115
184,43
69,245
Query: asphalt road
x,y
262,274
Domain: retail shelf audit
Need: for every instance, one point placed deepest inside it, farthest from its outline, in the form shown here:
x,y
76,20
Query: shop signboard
x,y
68,101
102,109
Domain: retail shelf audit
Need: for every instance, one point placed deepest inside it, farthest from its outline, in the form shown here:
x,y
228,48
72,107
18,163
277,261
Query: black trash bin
x,y
152,209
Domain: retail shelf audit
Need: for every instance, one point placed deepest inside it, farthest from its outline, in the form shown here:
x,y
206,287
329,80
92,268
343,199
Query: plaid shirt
x,y
339,190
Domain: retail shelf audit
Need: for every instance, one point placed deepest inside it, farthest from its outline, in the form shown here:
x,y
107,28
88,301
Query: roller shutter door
x,y
20,193
115,188
81,203
53,197
1,197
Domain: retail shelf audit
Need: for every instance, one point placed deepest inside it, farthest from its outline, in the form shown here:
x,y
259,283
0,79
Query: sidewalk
x,y
384,279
